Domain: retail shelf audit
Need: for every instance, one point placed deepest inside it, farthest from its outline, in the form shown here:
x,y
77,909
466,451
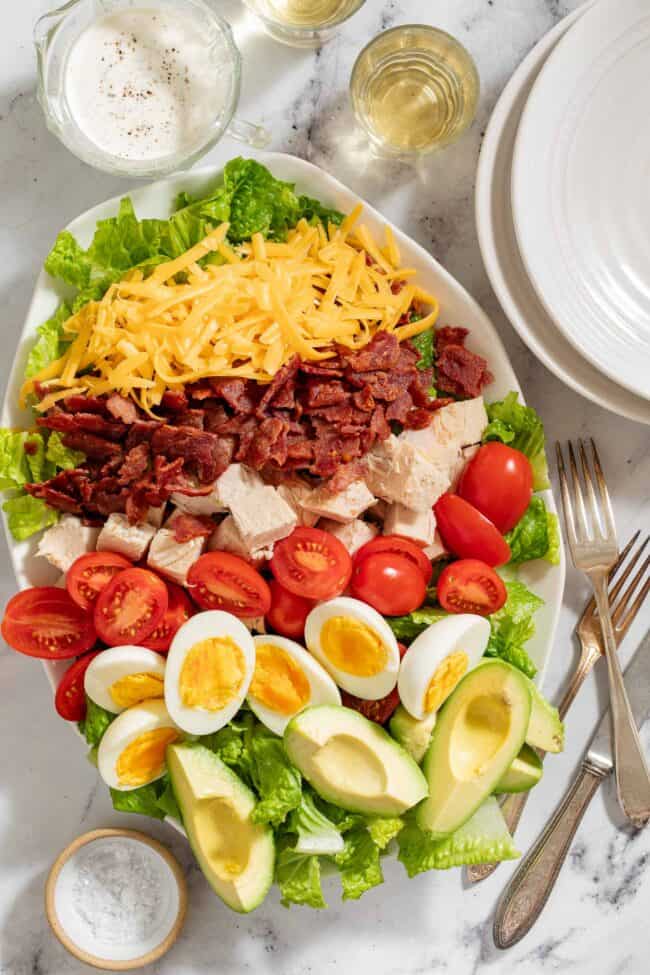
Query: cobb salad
x,y
288,527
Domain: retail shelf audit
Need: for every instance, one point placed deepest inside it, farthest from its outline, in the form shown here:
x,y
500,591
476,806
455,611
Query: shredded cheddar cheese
x,y
244,313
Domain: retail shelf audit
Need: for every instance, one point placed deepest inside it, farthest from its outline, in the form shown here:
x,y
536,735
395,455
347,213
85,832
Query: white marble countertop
x,y
596,921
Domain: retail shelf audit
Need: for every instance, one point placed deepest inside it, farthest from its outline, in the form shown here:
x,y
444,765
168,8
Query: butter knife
x,y
526,895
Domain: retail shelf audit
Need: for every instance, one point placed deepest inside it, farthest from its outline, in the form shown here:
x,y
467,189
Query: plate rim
x,y
310,175
528,123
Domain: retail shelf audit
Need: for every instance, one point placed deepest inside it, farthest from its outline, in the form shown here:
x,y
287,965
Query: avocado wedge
x,y
523,774
353,762
545,729
479,731
236,855
412,734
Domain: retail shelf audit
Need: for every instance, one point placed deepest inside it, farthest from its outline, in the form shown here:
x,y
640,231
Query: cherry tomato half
x,y
378,711
312,563
467,533
91,573
471,586
130,607
288,612
498,481
179,610
219,580
399,546
44,622
392,584
70,698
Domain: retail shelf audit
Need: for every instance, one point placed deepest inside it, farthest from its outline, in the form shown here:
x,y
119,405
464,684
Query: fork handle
x,y
526,895
632,777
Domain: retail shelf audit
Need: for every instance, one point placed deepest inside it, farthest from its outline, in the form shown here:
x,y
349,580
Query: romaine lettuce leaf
x,y
68,261
513,625
298,877
50,344
62,457
410,626
484,838
155,799
95,723
316,833
535,536
521,428
383,829
277,782
425,344
359,864
22,456
27,515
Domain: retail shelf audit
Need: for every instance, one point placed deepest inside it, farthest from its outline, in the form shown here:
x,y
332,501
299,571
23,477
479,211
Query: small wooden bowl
x,y
104,963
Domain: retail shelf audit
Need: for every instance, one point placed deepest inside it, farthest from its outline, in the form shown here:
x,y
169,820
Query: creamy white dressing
x,y
142,83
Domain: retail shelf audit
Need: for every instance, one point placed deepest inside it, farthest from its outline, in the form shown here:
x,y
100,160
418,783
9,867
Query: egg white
x,y
322,689
130,724
203,626
464,632
114,664
371,688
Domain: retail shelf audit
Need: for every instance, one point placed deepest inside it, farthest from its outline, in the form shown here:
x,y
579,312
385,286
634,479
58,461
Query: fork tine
x,y
582,530
620,609
634,609
608,514
591,605
614,591
591,494
566,499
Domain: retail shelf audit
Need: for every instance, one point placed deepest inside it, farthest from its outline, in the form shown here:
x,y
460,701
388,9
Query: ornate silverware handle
x,y
525,896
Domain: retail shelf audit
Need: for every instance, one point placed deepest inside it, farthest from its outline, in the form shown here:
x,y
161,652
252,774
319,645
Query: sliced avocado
x,y
523,774
480,729
545,729
353,762
414,735
236,855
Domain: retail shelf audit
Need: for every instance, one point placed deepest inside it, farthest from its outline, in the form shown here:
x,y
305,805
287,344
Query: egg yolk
x,y
212,674
135,688
278,682
353,647
445,677
143,759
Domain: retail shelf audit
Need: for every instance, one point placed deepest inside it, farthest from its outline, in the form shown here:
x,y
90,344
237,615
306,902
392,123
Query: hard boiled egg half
x,y
131,752
120,677
438,659
286,680
355,645
210,665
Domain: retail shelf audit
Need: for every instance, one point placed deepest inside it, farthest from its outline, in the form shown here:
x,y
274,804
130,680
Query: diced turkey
x,y
227,538
353,534
118,535
398,471
420,526
344,506
173,559
63,543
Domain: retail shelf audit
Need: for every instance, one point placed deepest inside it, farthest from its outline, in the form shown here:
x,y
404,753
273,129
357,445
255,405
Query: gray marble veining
x,y
596,922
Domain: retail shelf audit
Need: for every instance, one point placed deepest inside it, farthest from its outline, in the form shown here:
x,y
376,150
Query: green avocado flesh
x,y
236,855
523,774
479,731
545,729
353,762
412,734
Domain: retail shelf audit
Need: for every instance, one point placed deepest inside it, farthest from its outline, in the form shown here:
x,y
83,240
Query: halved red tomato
x,y
312,563
219,580
378,711
471,586
392,584
70,699
288,612
499,482
399,546
130,607
44,622
179,610
467,533
91,573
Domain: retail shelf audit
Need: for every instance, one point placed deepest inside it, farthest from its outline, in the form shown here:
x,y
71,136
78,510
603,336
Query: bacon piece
x,y
85,404
381,353
235,392
461,372
174,400
208,453
55,499
329,393
91,445
186,527
135,464
83,422
284,375
141,432
450,335
122,408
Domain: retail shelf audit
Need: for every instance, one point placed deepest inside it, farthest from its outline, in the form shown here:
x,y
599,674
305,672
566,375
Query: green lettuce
x,y
521,428
27,515
425,344
51,343
166,802
68,261
359,864
155,799
406,628
22,456
484,838
298,877
277,782
61,457
316,833
95,723
383,829
535,536
513,625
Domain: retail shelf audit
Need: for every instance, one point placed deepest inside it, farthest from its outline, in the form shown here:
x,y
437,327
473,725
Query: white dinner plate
x,y
580,194
457,307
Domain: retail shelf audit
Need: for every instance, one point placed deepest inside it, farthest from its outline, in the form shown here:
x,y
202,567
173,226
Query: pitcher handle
x,y
255,135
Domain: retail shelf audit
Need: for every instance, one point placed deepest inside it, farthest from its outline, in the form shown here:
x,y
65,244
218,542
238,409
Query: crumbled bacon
x,y
121,408
187,527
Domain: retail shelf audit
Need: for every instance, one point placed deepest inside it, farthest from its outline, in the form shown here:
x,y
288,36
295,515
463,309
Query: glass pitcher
x,y
56,35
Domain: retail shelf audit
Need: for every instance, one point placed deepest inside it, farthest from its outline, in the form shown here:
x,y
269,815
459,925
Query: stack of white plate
x,y
563,203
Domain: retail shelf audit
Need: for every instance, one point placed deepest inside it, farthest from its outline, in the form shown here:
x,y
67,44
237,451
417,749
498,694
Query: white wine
x,y
313,14
414,89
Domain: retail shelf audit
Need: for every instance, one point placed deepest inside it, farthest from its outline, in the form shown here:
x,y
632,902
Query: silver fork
x,y
624,610
593,547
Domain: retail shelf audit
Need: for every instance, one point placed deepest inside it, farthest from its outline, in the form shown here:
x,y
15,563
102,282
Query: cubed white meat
x,y
460,423
343,506
227,538
263,517
63,543
398,471
353,534
417,525
236,482
173,559
118,535
436,550
199,504
296,493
